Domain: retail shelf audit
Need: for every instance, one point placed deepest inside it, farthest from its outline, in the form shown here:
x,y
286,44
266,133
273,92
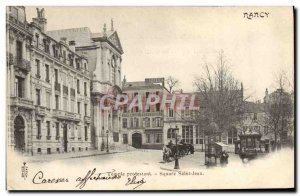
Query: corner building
x,y
49,89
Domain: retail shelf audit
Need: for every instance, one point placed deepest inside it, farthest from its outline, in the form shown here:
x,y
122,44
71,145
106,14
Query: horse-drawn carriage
x,y
182,149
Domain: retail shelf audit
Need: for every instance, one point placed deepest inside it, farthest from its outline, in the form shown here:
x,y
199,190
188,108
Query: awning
x,y
221,144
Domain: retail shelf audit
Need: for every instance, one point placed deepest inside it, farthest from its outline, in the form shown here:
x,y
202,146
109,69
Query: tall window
x,y
232,136
199,135
48,98
116,136
19,50
136,122
131,122
47,73
56,102
78,86
48,128
57,129
85,109
157,122
46,45
37,67
158,138
56,75
19,87
85,89
38,128
171,112
124,122
187,134
147,122
148,138
78,107
125,138
85,133
38,96
157,107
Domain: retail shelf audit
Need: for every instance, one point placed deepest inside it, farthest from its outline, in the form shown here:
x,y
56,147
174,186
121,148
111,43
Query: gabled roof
x,y
111,36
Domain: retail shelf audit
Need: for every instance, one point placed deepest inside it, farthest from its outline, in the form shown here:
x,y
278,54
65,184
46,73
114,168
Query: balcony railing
x,y
21,102
40,110
133,114
57,86
87,119
19,63
66,115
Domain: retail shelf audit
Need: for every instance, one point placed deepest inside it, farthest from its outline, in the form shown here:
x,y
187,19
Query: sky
x,y
177,41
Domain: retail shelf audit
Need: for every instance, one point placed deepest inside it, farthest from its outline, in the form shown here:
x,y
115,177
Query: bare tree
x,y
221,95
172,83
279,110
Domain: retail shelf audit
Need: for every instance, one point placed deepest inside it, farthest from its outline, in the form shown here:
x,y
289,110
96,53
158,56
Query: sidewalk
x,y
70,155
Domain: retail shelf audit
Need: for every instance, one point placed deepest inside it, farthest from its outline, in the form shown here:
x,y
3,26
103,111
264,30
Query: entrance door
x,y
65,137
19,134
137,140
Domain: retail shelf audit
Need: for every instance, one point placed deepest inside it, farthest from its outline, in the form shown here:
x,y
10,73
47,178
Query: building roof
x,y
140,85
82,36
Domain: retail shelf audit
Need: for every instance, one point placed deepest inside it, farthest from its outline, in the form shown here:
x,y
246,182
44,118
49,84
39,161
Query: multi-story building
x,y
104,54
49,89
142,127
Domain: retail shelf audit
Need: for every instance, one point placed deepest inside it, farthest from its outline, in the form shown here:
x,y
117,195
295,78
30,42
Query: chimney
x,y
40,20
72,45
112,25
63,40
104,30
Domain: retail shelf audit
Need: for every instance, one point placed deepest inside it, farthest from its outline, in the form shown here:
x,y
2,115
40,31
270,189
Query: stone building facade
x,y
143,127
49,89
104,54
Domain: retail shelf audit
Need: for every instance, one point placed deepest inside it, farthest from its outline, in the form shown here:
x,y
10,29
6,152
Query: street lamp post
x,y
176,153
107,141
